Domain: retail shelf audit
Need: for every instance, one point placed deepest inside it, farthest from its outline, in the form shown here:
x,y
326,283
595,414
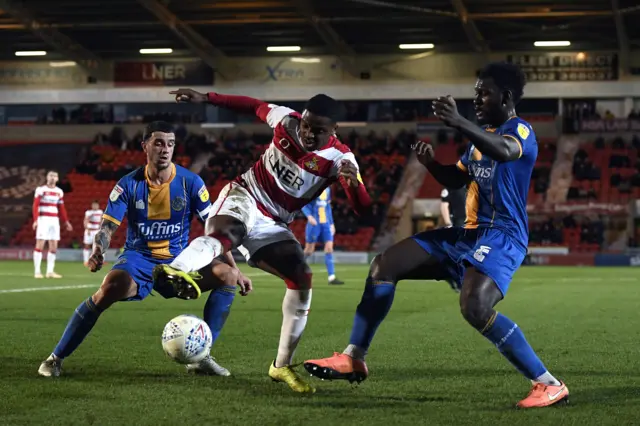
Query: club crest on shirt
x,y
312,164
178,203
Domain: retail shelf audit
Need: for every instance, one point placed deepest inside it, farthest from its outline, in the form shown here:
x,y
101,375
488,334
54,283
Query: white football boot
x,y
208,367
50,367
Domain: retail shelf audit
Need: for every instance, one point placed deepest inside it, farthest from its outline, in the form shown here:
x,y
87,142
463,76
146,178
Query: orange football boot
x,y
542,395
338,367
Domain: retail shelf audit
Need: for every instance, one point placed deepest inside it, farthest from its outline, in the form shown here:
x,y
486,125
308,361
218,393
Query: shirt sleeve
x,y
444,195
200,200
308,209
118,202
358,197
522,133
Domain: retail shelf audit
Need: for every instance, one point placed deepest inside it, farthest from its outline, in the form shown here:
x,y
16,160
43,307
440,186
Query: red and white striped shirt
x,y
93,219
48,202
287,176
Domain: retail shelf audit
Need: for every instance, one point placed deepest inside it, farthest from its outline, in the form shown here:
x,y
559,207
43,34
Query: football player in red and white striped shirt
x,y
48,211
252,213
92,220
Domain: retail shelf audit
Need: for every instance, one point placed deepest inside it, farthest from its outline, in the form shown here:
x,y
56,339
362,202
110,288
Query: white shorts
x,y
236,201
89,235
48,229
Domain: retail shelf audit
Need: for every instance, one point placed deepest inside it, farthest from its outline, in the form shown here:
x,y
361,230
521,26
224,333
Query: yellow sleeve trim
x,y
461,166
111,219
518,142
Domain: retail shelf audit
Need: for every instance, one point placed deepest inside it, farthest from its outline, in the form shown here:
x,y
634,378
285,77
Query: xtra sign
x,y
162,73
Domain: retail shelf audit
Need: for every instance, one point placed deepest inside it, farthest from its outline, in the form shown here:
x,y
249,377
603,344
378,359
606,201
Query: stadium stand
x,y
219,159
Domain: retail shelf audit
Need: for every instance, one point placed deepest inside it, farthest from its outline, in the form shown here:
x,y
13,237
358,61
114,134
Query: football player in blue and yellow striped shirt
x,y
159,202
320,228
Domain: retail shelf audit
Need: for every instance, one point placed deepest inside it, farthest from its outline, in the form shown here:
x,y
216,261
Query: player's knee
x,y
226,227
475,310
115,287
301,278
328,248
380,270
230,276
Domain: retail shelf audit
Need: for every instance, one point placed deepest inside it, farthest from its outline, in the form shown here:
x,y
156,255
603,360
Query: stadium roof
x,y
117,29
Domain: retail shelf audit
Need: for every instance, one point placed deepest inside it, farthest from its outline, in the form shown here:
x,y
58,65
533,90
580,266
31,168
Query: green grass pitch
x,y
428,367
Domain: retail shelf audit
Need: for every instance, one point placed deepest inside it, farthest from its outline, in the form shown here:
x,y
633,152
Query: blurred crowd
x,y
228,155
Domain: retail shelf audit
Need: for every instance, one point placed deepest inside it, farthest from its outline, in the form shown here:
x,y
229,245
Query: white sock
x,y
295,310
51,262
547,379
85,255
332,277
198,254
355,352
37,260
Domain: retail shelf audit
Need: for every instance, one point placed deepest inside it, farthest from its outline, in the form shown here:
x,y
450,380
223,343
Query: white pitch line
x,y
59,287
73,287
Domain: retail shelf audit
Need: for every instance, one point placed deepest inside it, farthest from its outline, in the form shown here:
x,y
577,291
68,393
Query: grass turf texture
x,y
427,365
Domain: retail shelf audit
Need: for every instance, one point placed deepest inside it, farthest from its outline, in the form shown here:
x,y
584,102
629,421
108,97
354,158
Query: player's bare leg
x,y
478,297
51,260
117,285
285,259
404,260
309,249
37,258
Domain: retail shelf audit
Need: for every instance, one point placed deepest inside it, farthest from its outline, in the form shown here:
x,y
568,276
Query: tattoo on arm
x,y
103,237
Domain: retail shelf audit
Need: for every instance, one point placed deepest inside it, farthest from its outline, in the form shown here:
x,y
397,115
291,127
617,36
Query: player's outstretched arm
x,y
449,176
242,104
497,147
101,243
357,194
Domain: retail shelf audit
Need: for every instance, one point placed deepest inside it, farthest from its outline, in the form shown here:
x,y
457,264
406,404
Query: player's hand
x,y
189,95
446,110
68,226
333,229
245,284
96,260
312,220
349,171
424,151
35,225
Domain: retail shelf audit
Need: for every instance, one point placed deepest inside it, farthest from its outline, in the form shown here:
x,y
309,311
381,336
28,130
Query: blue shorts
x,y
489,250
320,233
140,268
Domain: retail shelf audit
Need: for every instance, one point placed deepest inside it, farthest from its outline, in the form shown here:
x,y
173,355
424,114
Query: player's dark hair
x,y
156,126
95,201
325,106
507,77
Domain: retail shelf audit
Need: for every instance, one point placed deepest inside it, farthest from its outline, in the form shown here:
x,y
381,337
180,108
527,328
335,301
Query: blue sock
x,y
328,261
373,308
218,307
80,324
510,341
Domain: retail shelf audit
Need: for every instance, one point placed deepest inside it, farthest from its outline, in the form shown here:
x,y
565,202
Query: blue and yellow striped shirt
x,y
158,216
